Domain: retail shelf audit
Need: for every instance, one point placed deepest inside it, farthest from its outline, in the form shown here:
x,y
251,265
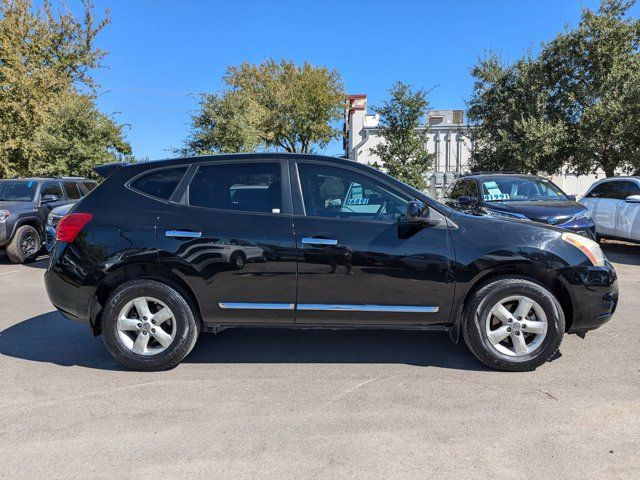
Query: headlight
x,y
584,215
496,213
590,248
4,214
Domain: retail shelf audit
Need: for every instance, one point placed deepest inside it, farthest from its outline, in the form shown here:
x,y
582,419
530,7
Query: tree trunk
x,y
609,170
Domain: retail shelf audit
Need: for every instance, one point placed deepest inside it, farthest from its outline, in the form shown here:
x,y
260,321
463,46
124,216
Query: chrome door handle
x,y
319,241
182,234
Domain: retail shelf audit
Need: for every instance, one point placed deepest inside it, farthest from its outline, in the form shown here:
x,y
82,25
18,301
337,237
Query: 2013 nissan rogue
x,y
161,251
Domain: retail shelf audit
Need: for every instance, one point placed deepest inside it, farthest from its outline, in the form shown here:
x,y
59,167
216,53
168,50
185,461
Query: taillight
x,y
70,225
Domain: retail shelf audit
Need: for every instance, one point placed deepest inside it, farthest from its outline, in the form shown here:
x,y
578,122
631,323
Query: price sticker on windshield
x,y
496,196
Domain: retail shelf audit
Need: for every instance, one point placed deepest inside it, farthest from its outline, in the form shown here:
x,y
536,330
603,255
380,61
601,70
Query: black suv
x,y
25,204
161,251
527,197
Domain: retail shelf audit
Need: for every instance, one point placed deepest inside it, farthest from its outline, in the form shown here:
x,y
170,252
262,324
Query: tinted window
x,y
71,189
87,187
335,192
464,188
160,183
601,191
626,189
52,189
17,191
249,187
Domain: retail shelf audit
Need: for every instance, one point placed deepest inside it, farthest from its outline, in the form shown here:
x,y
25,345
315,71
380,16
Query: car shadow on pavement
x,y
40,262
50,338
621,252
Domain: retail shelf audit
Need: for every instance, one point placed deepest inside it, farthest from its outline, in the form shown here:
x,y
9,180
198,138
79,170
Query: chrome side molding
x,y
256,306
319,241
327,307
182,234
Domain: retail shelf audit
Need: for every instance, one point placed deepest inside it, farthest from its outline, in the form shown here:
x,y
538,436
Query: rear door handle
x,y
319,241
182,234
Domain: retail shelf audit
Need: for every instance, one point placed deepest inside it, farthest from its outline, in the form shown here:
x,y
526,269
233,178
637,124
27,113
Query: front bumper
x,y
594,296
4,234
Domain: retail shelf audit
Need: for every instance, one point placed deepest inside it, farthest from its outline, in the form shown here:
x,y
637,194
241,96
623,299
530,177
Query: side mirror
x,y
571,197
417,212
49,198
632,199
466,201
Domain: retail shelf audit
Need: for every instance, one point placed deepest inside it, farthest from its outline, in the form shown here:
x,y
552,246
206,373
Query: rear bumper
x,y
594,296
70,287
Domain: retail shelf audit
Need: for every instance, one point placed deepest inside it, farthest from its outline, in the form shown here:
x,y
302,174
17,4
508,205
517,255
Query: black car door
x,y
230,236
353,265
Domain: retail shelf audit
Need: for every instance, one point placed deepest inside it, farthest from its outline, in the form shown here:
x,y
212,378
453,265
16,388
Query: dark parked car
x,y
143,260
24,207
520,196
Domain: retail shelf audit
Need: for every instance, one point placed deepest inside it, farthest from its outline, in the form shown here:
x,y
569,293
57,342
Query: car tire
x,y
25,245
238,260
485,323
180,331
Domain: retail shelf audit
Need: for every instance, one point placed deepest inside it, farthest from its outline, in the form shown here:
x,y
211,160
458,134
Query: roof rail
x,y
491,172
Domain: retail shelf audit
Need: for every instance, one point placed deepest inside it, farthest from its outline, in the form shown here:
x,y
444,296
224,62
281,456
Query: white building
x,y
447,138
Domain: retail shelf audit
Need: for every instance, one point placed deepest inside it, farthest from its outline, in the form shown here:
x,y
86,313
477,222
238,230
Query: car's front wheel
x,y
513,324
149,325
24,245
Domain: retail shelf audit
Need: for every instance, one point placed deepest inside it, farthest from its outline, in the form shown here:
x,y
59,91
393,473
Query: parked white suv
x,y
614,204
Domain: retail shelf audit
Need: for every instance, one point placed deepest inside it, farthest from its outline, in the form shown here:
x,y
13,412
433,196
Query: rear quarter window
x,y
159,183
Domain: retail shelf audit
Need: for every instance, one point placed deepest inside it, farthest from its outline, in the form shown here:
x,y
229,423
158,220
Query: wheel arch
x,y
137,271
549,278
32,222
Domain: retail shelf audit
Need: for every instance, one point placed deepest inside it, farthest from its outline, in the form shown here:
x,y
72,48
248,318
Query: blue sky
x,y
161,53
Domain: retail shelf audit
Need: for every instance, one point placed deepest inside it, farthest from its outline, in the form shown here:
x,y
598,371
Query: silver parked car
x,y
614,204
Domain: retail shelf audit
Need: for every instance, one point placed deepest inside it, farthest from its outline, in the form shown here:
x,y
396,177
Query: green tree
x,y
79,138
511,130
403,153
46,57
223,124
594,75
576,104
271,105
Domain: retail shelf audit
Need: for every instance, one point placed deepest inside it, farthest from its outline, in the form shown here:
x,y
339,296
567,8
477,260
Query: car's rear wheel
x,y
25,245
148,325
513,324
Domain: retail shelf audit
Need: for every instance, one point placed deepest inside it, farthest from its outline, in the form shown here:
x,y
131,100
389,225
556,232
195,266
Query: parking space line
x,y
7,273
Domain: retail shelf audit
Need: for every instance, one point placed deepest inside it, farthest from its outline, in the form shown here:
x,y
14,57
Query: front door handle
x,y
319,241
182,234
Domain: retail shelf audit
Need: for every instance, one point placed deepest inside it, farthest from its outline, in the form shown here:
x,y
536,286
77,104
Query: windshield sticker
x,y
496,196
357,201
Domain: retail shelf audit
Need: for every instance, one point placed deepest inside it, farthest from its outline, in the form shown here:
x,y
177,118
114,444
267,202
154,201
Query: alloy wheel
x,y
146,326
28,245
516,325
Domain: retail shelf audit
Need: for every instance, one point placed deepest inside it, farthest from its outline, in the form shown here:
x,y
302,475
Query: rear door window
x,y
52,189
72,191
247,187
626,189
159,183
86,187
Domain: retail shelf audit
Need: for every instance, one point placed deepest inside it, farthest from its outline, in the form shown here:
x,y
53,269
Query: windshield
x,y
518,189
17,190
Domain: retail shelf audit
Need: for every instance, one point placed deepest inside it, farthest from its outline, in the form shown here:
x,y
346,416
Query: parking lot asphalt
x,y
284,404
